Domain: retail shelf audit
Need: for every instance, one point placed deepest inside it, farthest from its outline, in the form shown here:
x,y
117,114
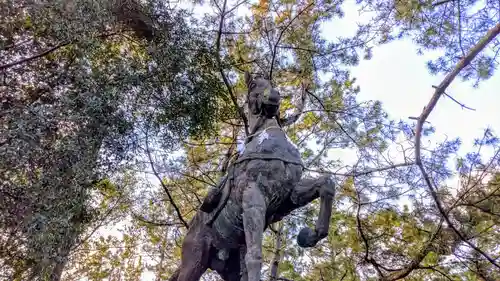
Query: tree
x,y
453,27
75,74
152,88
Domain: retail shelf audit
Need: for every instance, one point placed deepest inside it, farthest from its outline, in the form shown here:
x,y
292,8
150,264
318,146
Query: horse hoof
x,y
223,254
307,238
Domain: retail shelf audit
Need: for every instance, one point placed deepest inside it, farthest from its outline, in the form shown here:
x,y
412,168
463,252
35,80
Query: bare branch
x,y
300,109
221,70
165,188
281,35
465,61
453,99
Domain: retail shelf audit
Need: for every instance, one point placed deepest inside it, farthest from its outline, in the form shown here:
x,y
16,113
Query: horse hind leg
x,y
195,257
254,215
235,268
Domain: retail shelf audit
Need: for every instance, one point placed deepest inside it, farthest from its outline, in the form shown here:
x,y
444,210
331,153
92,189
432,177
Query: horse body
x,y
278,176
262,186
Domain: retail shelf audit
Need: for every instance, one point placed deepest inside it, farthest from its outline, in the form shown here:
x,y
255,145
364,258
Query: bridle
x,y
266,111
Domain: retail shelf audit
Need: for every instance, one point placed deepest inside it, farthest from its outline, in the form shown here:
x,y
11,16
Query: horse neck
x,y
268,123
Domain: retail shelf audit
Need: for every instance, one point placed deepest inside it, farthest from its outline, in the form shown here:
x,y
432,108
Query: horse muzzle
x,y
270,102
271,97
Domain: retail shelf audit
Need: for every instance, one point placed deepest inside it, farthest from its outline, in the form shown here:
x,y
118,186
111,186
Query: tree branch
x,y
42,54
319,53
230,151
155,223
367,257
46,52
300,109
441,3
465,61
165,188
453,99
281,35
277,256
437,270
366,172
334,119
221,70
415,264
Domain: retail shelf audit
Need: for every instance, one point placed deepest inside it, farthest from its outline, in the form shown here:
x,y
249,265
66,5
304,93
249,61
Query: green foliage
x,y
78,83
94,93
452,27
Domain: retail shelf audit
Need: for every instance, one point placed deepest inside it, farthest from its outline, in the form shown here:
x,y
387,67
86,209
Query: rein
x,y
260,122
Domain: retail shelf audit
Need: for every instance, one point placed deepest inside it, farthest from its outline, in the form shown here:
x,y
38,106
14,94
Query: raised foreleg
x,y
306,191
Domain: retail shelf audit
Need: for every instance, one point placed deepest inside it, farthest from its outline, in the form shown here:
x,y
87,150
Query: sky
x,y
398,77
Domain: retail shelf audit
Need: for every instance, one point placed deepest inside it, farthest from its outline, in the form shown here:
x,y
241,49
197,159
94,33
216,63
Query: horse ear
x,y
248,78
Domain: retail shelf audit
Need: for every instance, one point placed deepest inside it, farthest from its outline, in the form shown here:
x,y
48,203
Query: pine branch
x,y
440,90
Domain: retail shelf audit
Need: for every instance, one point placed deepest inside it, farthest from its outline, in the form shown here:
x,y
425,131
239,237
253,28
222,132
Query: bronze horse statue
x,y
263,185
